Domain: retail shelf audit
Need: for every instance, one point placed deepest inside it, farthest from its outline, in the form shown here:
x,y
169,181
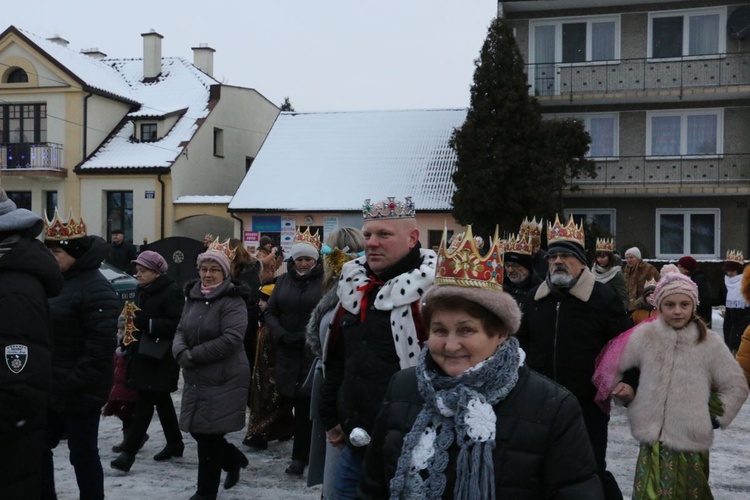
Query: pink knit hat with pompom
x,y
672,283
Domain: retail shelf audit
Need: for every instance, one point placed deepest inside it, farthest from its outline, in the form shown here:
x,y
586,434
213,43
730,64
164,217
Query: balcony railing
x,y
647,170
639,75
40,156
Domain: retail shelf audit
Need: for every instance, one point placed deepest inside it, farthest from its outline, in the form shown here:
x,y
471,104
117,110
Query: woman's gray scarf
x,y
603,274
456,410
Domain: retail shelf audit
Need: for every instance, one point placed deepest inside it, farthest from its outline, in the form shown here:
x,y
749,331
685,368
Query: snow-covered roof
x,y
334,161
203,200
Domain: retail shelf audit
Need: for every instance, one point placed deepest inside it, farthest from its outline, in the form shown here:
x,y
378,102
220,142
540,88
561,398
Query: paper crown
x,y
571,232
389,209
57,230
531,228
605,245
464,266
306,237
735,256
223,247
518,244
650,284
456,239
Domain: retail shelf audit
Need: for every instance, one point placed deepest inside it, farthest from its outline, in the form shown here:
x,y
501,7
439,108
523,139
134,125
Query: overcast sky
x,y
326,55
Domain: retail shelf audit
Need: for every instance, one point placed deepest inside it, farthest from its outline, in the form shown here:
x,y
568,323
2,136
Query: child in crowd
x,y
689,385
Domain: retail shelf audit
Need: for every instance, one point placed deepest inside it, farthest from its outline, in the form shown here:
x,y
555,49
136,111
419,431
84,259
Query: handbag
x,y
154,347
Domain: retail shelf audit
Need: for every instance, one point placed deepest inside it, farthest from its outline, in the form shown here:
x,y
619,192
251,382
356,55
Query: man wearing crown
x,y
84,316
520,276
376,331
568,320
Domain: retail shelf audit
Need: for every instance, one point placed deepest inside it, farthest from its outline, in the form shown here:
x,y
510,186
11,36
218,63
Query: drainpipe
x,y
85,125
242,226
163,204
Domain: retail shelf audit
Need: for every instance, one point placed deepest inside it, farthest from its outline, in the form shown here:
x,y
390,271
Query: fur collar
x,y
582,290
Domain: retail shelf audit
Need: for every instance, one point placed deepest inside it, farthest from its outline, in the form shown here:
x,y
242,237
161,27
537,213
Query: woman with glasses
x,y
209,348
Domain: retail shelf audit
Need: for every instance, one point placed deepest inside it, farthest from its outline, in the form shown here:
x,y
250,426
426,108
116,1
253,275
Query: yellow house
x,y
152,145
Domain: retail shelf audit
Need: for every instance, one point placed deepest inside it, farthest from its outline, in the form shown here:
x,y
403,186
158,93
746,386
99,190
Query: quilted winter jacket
x,y
212,329
542,449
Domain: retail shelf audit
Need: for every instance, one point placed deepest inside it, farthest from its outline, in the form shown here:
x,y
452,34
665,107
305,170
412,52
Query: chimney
x,y
151,55
203,58
94,53
58,40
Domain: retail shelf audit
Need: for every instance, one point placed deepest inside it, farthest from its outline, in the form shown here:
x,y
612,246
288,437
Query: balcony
x,y
27,159
683,171
641,77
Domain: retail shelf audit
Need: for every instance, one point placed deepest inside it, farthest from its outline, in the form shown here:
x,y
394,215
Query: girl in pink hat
x,y
689,385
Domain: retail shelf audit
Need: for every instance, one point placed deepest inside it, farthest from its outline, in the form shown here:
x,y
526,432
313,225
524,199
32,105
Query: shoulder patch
x,y
16,357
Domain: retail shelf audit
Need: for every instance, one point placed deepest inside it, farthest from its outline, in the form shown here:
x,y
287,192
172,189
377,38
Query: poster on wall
x,y
330,224
288,230
251,239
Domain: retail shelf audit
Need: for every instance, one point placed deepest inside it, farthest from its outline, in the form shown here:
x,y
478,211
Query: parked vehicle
x,y
123,283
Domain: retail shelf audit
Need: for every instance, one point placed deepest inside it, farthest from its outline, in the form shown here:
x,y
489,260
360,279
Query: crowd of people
x,y
397,371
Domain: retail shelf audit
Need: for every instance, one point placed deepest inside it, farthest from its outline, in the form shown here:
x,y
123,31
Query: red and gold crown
x,y
464,266
571,232
306,237
223,247
129,311
605,245
735,256
57,230
531,228
389,209
518,244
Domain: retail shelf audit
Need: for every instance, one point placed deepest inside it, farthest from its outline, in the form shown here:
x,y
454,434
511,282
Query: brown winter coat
x,y
212,329
677,377
636,277
743,353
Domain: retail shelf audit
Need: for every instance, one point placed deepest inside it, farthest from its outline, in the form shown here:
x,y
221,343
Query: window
x,y
693,33
603,218
120,212
435,237
579,40
148,132
604,130
22,199
17,75
23,123
691,133
50,203
218,142
687,232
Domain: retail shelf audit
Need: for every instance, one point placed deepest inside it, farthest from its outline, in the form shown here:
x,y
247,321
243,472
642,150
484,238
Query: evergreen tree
x,y
503,169
287,105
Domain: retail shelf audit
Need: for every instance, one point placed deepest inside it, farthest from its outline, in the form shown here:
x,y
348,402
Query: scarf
x,y
735,300
457,410
205,290
602,274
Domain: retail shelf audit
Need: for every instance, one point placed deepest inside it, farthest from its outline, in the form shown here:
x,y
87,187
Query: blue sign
x,y
267,223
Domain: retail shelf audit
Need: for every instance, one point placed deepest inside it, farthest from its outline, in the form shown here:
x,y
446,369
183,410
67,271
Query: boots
x,y
123,462
296,468
119,447
234,462
169,451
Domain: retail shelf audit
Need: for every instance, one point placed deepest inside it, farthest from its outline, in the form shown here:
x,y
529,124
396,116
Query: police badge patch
x,y
16,356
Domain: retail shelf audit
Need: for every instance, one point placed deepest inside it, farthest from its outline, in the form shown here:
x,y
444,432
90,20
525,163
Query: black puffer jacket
x,y
288,311
84,318
542,449
705,295
29,275
161,303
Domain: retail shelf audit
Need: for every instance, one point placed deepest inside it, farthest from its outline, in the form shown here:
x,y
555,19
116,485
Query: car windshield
x,y
113,274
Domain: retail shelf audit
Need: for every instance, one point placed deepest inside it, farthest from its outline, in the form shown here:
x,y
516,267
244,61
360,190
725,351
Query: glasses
x,y
513,266
210,270
564,256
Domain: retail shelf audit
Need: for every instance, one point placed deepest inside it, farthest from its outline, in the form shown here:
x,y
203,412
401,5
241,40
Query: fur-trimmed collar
x,y
582,290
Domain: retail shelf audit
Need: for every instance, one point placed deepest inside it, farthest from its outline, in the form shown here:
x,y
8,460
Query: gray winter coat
x,y
208,345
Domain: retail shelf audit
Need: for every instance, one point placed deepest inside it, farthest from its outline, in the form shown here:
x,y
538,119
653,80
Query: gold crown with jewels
x,y
465,266
306,237
571,232
735,256
223,247
520,244
57,230
605,245
388,209
531,228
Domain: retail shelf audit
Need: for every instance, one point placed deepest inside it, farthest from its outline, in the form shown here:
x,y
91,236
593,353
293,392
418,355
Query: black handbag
x,y
153,347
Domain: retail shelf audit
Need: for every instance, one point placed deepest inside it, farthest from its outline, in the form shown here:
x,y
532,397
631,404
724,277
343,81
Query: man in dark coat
x,y
519,276
121,253
85,326
28,276
689,267
568,320
376,331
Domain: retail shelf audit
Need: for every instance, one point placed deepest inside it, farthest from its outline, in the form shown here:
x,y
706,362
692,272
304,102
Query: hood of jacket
x,y
26,255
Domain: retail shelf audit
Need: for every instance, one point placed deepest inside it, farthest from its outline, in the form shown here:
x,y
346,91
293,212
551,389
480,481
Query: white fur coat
x,y
677,375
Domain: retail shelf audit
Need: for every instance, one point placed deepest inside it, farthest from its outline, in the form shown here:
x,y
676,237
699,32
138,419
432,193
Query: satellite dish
x,y
738,24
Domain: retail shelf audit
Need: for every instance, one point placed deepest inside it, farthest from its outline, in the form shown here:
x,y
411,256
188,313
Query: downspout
x,y
85,125
242,225
163,204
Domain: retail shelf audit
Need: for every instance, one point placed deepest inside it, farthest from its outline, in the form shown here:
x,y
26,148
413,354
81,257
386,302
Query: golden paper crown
x,y
389,209
605,245
531,228
129,311
306,237
571,232
456,239
223,247
735,256
650,284
518,244
464,266
57,230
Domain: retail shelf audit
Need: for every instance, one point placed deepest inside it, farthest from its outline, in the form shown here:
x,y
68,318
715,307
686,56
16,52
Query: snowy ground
x,y
265,479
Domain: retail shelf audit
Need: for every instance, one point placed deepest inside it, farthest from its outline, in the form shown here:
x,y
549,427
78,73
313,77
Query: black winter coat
x,y
161,303
563,335
84,317
121,256
29,274
542,449
288,311
520,291
249,276
705,295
